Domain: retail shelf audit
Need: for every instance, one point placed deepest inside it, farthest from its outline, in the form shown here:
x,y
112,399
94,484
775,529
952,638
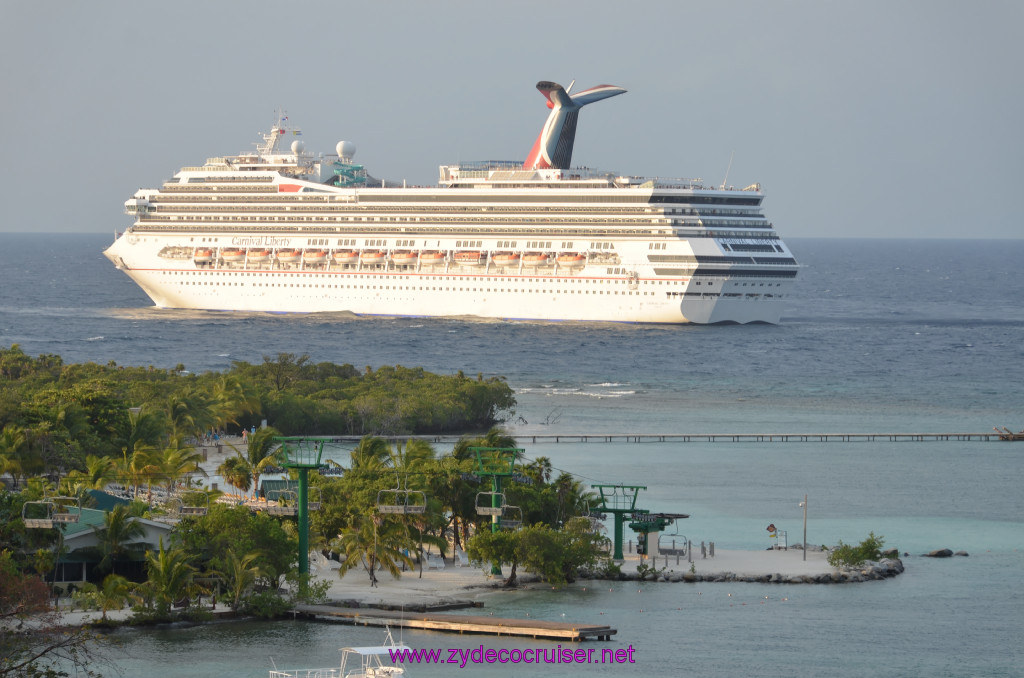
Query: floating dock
x,y
458,623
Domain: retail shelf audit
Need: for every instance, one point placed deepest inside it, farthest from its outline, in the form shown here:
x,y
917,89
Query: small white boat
x,y
356,662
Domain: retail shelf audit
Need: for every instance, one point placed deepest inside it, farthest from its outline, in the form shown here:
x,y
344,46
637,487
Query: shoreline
x,y
456,587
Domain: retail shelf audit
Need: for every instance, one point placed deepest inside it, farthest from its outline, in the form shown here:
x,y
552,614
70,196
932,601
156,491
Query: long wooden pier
x,y
459,623
709,437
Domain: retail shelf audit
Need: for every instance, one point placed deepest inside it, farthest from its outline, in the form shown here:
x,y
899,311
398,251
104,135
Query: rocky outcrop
x,y
938,553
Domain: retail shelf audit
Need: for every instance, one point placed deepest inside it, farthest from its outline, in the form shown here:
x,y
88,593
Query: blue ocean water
x,y
879,336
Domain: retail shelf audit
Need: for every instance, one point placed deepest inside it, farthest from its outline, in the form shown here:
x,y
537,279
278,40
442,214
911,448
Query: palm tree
x,y
236,472
100,471
371,542
170,577
114,593
240,575
190,414
260,454
174,462
233,397
13,444
371,454
118,539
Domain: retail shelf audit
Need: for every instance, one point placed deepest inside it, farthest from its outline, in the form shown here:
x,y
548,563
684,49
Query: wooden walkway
x,y
458,623
711,437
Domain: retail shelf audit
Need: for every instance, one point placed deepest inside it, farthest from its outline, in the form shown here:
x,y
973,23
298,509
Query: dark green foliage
x,y
845,555
56,414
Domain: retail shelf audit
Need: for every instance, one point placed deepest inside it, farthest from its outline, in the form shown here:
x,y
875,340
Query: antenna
x,y
569,88
726,179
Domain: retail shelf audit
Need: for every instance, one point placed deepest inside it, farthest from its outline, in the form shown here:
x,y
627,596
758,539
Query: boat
x,y
432,258
571,259
232,254
535,259
258,255
356,662
315,257
373,257
536,239
405,258
468,258
505,258
346,257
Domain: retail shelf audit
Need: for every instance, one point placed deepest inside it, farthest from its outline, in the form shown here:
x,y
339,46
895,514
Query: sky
x,y
859,119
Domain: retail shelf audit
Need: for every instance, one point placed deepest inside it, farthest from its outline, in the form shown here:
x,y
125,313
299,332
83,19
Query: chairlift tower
x,y
620,501
496,463
302,454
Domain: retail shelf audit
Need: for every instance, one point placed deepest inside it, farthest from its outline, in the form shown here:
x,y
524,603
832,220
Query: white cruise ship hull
x,y
446,291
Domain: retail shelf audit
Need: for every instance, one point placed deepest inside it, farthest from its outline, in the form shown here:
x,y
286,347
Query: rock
x,y
961,553
891,553
940,553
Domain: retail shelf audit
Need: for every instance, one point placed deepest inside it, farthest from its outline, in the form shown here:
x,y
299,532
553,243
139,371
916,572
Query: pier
x,y
458,623
710,437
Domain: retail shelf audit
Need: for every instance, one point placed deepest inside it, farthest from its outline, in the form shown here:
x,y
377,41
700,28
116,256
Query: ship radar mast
x,y
279,130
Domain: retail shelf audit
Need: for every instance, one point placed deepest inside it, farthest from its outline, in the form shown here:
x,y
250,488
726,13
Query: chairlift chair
x,y
37,514
200,510
287,504
398,501
62,513
512,517
314,504
485,503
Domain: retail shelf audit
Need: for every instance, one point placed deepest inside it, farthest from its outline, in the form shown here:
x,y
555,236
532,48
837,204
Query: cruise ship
x,y
281,229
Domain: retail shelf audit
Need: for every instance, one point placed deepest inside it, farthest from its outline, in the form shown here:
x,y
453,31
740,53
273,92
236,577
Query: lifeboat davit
x,y
232,254
535,259
259,255
372,257
432,258
468,258
314,256
404,258
288,255
346,256
571,259
505,258
202,255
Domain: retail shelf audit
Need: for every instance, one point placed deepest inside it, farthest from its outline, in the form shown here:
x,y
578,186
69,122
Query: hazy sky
x,y
860,119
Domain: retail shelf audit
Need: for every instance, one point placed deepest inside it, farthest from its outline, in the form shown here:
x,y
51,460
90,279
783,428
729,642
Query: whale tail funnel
x,y
553,148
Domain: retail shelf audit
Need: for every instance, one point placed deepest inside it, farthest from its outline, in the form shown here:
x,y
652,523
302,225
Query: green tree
x,y
170,577
240,575
114,593
374,542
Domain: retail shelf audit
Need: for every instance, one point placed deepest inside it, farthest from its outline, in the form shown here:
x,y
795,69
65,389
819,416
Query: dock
x,y
713,437
458,623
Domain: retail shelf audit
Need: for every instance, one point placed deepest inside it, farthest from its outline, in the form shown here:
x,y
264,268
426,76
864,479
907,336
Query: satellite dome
x,y
346,149
297,147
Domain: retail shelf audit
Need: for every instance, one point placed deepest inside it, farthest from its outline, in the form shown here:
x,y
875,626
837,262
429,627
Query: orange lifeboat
x,y
535,259
346,257
571,259
202,255
288,255
404,258
232,254
259,255
468,258
314,256
432,258
372,257
505,258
